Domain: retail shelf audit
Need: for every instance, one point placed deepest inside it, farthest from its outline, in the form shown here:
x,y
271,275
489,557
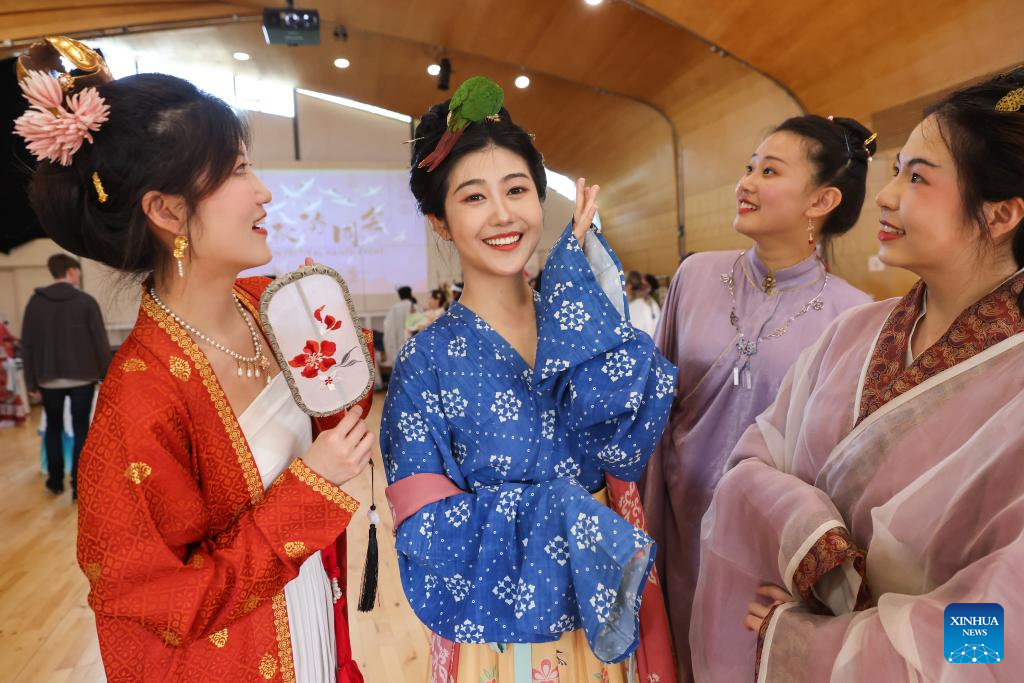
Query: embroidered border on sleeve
x,y
322,486
830,551
761,634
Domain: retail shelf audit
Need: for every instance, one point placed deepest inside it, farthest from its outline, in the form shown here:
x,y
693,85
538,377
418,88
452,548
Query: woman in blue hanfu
x,y
514,423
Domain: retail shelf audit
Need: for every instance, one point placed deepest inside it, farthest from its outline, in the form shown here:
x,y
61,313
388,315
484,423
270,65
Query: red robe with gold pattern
x,y
186,555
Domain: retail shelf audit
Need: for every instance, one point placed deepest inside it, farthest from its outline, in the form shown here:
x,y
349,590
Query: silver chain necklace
x,y
749,347
248,366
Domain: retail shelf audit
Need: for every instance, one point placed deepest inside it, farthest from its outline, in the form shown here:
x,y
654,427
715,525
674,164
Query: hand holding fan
x,y
310,324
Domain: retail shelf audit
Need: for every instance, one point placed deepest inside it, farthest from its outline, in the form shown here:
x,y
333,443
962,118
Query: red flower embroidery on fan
x,y
328,322
315,358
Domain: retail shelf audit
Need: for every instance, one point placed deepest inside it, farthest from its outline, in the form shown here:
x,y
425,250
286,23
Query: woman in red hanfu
x,y
211,522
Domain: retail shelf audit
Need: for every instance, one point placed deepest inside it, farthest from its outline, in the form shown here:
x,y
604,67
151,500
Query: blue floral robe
x,y
527,552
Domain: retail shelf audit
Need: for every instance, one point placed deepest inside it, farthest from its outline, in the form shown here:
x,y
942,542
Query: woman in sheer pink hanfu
x,y
885,482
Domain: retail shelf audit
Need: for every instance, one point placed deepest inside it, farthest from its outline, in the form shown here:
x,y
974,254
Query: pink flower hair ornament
x,y
54,128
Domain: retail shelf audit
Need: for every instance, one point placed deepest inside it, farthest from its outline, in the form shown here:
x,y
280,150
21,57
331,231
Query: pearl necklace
x,y
749,347
248,366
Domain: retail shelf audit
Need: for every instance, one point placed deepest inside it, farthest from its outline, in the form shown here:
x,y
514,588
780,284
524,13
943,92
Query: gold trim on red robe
x,y
186,554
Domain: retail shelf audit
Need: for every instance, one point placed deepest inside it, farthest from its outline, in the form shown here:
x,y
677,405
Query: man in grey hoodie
x,y
65,351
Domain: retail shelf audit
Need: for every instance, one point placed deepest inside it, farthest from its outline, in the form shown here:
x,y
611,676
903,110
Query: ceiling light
x,y
241,56
593,3
522,81
342,63
433,69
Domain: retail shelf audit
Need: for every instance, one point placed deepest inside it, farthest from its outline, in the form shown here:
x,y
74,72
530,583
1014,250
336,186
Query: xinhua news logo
x,y
974,633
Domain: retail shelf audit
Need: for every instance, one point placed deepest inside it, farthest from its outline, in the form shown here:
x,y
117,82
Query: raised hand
x,y
586,208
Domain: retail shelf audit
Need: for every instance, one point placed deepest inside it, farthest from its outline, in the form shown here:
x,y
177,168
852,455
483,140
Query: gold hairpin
x,y
409,142
46,56
1011,101
100,192
494,117
870,139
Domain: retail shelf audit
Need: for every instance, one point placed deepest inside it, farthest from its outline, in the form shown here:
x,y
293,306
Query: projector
x,y
290,26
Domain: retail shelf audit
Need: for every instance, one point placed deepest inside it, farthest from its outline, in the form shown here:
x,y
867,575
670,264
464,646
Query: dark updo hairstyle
x,y
405,294
431,188
839,152
987,147
441,297
163,134
652,282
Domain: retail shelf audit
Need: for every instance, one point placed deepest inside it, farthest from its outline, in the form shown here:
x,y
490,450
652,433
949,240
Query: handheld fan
x,y
310,323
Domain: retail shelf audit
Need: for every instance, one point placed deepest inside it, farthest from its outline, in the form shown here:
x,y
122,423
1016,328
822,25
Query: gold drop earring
x,y
180,245
810,232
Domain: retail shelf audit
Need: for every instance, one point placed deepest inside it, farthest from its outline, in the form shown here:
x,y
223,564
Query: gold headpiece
x,y
45,56
1011,101
101,194
870,140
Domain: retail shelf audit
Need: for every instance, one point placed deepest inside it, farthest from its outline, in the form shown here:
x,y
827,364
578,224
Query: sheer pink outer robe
x,y
709,413
931,484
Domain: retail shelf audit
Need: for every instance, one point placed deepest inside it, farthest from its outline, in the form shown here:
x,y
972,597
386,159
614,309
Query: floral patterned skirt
x,y
567,660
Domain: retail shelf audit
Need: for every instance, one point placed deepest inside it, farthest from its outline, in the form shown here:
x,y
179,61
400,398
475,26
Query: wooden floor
x,y
47,631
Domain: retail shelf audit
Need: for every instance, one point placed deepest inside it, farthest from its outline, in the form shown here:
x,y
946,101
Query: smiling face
x,y
227,231
776,190
923,227
492,213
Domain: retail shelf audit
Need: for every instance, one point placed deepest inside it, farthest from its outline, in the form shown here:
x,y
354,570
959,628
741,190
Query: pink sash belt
x,y
406,496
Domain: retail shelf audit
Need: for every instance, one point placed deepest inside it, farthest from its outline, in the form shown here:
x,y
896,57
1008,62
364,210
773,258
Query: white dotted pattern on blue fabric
x,y
526,552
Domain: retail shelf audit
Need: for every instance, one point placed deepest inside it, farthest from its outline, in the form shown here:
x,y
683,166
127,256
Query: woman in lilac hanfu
x,y
735,321
885,483
504,420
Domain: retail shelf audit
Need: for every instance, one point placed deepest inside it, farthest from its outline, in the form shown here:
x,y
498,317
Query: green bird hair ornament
x,y
478,98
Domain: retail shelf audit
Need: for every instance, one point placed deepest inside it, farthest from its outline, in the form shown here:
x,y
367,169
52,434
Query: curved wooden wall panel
x,y
859,57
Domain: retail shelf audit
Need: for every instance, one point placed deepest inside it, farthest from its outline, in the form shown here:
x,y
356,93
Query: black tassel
x,y
368,592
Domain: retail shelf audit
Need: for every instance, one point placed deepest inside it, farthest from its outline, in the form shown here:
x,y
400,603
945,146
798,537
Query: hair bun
x,y
432,126
858,136
429,131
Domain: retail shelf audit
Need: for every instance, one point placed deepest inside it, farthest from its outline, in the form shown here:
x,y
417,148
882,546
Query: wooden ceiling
x,y
567,117
616,48
588,68
617,90
862,56
857,57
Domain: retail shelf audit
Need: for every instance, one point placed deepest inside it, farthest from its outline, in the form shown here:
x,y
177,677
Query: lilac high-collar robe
x,y
710,413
